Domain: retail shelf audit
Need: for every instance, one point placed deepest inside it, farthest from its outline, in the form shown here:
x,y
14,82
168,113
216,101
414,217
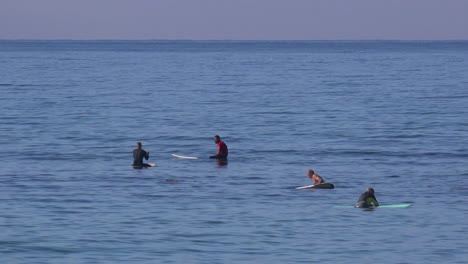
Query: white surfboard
x,y
305,187
324,185
183,157
149,165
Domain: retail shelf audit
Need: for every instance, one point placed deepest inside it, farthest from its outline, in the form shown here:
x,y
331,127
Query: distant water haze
x,y
235,20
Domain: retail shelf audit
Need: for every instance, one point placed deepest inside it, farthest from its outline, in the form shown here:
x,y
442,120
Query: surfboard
x,y
402,205
324,185
183,157
149,165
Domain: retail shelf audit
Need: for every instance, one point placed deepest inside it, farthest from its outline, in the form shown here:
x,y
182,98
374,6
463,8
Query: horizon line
x,y
243,40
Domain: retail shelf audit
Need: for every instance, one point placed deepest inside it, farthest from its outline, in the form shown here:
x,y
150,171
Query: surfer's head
x,y
139,144
370,190
310,173
217,139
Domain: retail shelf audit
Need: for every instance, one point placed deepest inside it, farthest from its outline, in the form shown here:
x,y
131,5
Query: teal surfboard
x,y
402,205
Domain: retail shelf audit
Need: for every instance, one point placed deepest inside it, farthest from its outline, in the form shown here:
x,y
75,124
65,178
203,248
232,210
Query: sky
x,y
235,19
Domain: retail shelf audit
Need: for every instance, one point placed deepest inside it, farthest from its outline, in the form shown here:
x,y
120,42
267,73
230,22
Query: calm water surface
x,y
391,115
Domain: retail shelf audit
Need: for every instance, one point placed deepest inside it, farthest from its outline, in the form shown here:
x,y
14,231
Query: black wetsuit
x,y
138,155
365,200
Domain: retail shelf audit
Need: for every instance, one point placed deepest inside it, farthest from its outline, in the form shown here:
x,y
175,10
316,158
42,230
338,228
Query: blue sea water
x,y
388,115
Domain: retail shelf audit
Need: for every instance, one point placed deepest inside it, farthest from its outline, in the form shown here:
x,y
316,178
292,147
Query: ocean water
x,y
387,115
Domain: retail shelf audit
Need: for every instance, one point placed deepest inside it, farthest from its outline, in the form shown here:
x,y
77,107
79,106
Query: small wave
x,y
52,249
32,85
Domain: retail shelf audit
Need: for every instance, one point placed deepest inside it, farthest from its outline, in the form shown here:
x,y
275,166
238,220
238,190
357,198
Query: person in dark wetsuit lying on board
x,y
366,199
138,155
316,179
222,152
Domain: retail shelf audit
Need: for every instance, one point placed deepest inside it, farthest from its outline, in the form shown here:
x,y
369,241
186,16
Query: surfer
x,y
138,155
366,199
222,152
316,179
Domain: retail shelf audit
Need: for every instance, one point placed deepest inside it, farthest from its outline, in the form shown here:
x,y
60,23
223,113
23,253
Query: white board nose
x,y
183,157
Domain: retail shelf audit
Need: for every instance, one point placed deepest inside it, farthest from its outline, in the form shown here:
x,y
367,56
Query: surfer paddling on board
x,y
366,199
317,182
316,179
222,152
138,155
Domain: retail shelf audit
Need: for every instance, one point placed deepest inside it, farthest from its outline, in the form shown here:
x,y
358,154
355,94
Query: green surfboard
x,y
402,205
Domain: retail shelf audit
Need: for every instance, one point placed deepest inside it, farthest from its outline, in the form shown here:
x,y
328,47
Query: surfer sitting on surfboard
x,y
222,152
316,179
138,155
366,199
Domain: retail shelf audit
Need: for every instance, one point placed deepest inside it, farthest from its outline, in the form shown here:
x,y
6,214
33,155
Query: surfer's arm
x,y
317,179
373,201
219,150
147,155
320,179
217,153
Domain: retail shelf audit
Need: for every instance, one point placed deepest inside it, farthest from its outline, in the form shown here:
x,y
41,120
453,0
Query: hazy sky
x,y
234,19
